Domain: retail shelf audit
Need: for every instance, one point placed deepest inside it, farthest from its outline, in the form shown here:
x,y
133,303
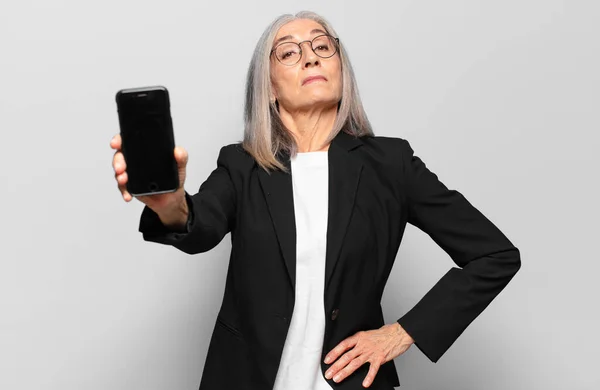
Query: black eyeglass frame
x,y
299,44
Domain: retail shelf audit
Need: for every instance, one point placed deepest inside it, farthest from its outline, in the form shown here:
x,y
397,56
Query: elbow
x,y
502,265
511,262
200,241
517,260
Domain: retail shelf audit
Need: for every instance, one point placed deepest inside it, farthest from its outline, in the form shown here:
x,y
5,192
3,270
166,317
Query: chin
x,y
323,98
317,98
320,101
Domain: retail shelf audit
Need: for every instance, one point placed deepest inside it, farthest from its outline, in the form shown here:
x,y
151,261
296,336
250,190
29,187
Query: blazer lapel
x,y
344,176
277,189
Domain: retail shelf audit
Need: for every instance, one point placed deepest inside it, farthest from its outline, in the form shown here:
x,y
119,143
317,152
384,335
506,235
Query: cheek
x,y
338,84
337,76
286,82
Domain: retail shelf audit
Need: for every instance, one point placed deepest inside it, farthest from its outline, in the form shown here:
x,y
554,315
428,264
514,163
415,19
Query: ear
x,y
273,90
273,97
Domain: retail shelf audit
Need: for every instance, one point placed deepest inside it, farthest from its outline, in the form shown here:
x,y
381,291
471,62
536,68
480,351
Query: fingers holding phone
x,y
157,202
181,157
119,166
168,205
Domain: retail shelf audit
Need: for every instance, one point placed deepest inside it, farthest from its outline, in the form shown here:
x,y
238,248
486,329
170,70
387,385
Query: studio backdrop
x,y
499,98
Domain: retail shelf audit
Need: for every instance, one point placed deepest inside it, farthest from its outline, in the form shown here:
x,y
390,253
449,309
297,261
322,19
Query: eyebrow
x,y
316,30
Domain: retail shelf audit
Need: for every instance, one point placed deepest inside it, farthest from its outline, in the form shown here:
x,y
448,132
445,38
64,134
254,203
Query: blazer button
x,y
334,314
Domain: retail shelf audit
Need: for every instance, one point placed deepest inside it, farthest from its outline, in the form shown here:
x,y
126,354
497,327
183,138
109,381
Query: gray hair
x,y
265,135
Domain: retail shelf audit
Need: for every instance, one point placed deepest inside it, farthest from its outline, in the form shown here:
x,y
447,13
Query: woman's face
x,y
291,86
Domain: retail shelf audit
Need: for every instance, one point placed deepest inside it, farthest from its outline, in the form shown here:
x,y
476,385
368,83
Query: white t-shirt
x,y
300,366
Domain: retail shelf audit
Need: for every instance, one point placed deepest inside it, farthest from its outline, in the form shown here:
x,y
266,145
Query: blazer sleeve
x,y
211,214
486,259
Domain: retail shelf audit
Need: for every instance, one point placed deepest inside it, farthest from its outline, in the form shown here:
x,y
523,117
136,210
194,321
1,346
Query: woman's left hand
x,y
376,346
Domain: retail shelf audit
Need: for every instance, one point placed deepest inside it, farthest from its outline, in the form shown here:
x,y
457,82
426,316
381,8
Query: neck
x,y
310,129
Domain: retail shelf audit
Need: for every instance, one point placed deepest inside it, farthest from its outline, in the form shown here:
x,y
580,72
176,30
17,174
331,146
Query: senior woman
x,y
317,207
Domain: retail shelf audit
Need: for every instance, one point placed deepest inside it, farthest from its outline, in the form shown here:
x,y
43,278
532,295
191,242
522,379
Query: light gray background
x,y
499,98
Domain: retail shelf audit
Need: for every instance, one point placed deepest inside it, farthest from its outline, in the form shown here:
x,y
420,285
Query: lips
x,y
313,78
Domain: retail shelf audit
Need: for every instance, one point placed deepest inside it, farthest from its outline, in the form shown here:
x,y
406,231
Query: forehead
x,y
300,29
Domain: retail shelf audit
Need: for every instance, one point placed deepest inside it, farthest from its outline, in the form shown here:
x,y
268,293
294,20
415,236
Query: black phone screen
x,y
147,140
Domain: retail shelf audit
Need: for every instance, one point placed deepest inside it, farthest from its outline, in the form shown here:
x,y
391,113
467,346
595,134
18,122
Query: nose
x,y
308,55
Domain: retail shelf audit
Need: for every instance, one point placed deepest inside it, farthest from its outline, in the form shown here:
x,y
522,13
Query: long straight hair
x,y
265,136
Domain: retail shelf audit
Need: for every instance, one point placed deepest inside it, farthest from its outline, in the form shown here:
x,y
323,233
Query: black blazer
x,y
376,186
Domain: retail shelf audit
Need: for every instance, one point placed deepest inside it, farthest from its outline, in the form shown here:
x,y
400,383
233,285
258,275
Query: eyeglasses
x,y
289,53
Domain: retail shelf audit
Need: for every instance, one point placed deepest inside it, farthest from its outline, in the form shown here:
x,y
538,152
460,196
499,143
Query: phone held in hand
x,y
147,140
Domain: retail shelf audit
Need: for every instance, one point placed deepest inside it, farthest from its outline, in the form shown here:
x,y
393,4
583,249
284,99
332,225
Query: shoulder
x,y
391,149
235,155
384,142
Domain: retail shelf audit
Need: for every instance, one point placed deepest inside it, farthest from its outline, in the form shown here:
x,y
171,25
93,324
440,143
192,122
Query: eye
x,y
287,51
322,48
287,54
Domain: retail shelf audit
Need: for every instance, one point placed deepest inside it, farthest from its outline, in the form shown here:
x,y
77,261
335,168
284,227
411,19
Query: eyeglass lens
x,y
289,53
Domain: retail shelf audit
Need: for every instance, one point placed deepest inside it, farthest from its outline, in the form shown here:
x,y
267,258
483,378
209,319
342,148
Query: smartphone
x,y
147,140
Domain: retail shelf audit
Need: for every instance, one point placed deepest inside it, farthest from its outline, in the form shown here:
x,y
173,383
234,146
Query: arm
x,y
211,214
486,259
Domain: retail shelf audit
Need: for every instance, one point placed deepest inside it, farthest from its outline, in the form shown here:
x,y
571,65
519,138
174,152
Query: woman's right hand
x,y
171,207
